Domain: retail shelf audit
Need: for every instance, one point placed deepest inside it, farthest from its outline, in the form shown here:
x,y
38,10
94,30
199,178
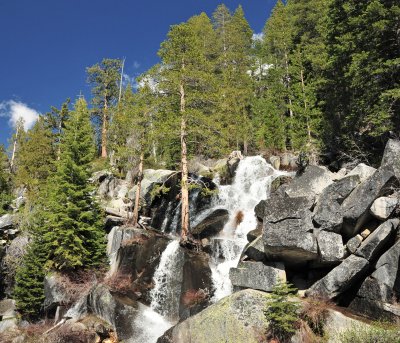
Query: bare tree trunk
x,y
120,82
138,191
59,140
288,83
303,87
14,150
185,188
104,130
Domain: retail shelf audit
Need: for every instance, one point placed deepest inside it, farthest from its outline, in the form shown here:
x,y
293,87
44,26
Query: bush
x,y
314,313
370,334
282,312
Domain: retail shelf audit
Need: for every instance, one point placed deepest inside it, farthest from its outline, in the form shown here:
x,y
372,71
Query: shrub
x,y
282,312
370,334
314,312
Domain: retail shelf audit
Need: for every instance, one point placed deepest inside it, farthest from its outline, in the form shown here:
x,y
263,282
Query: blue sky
x,y
46,45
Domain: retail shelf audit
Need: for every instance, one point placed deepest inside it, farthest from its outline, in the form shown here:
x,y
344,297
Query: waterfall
x,y
167,282
252,183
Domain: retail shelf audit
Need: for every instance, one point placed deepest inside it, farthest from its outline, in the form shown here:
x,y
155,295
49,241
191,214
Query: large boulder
x,y
288,231
328,212
330,246
54,291
356,206
257,275
362,171
196,284
383,207
114,310
7,222
211,225
236,318
379,290
391,156
340,279
311,183
254,250
375,242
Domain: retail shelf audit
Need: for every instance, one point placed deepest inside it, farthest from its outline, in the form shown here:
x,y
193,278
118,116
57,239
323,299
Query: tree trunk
x,y
104,130
59,140
138,191
303,87
184,182
14,150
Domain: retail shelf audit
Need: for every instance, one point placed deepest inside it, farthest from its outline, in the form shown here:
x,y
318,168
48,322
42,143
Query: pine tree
x,y
187,87
5,181
72,221
104,78
29,281
36,156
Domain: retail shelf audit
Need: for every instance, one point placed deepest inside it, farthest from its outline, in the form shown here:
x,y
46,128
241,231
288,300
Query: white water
x,y
167,281
252,184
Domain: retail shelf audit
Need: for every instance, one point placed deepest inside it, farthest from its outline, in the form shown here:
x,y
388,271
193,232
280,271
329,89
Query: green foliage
x,y
158,191
29,278
370,334
72,218
36,156
5,184
282,312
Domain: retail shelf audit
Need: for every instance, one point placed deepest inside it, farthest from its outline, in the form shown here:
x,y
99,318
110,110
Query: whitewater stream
x,y
252,183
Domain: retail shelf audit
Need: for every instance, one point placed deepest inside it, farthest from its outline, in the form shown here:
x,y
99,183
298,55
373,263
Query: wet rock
x,y
377,310
373,245
280,181
328,212
113,310
363,171
330,246
340,279
196,284
383,207
112,221
287,232
257,275
236,318
391,156
211,225
311,183
354,243
356,206
233,161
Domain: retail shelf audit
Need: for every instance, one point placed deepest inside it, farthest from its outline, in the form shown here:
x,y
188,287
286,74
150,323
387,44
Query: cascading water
x,y
252,184
168,278
153,321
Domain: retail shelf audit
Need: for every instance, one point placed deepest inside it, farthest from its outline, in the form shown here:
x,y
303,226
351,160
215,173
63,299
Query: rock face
x,y
288,228
330,245
237,318
356,206
257,275
6,222
255,250
328,212
212,225
363,171
383,207
311,183
340,279
377,293
54,292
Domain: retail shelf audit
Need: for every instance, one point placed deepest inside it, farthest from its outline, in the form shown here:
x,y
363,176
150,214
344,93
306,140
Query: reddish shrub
x,y
193,297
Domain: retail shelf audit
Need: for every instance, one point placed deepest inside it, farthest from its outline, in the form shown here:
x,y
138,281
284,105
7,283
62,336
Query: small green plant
x,y
158,190
376,333
282,312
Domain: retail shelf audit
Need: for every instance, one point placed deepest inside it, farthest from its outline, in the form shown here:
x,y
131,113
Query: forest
x,y
323,79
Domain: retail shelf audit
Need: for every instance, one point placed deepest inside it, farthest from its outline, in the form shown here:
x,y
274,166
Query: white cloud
x,y
258,36
136,65
15,110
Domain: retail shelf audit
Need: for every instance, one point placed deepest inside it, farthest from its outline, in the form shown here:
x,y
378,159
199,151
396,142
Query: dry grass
x,y
315,313
120,283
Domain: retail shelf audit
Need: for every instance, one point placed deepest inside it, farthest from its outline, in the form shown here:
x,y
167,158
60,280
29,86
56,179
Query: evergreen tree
x,y
187,87
36,156
5,182
104,78
72,221
29,280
